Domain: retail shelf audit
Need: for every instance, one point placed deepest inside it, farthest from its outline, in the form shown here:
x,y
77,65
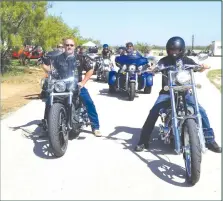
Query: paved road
x,y
107,167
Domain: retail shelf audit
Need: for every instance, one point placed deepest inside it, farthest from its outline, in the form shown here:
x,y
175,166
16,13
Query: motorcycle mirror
x,y
54,53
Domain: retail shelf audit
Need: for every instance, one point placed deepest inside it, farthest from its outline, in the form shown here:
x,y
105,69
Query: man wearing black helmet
x,y
175,48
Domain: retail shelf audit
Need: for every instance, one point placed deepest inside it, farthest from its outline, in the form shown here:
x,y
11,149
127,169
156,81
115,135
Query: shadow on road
x,y
32,97
162,168
121,95
41,143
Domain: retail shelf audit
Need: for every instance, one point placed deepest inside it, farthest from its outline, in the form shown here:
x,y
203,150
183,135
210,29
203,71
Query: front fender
x,y
112,77
132,77
149,79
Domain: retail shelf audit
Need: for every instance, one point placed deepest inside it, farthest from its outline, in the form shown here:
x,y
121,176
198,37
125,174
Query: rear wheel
x,y
106,77
192,151
132,91
58,135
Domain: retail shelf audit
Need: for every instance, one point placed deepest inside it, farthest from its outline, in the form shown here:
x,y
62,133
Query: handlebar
x,y
160,68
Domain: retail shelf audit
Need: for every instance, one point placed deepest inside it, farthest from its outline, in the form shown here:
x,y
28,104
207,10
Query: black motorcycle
x,y
66,114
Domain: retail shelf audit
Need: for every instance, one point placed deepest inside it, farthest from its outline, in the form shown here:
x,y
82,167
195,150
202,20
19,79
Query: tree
x,y
19,20
142,47
53,30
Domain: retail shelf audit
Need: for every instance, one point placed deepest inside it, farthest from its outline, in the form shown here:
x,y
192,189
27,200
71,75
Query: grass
x,y
16,71
215,77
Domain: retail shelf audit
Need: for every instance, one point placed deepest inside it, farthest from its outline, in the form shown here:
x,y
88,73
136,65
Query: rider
x,y
106,52
130,49
175,48
62,63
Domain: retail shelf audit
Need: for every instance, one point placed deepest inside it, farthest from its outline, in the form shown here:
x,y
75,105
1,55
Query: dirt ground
x,y
17,91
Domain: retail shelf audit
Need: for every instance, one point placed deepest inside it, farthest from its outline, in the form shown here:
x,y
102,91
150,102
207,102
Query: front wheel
x,y
132,91
106,75
192,151
148,90
58,135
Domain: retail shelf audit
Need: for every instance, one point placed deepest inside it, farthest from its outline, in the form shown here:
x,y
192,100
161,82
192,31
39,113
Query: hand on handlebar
x,y
204,67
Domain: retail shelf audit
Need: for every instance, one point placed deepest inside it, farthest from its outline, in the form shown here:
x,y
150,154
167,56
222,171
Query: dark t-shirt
x,y
167,61
106,54
65,65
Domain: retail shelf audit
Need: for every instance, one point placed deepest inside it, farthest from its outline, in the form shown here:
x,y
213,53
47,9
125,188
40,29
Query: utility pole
x,y
192,42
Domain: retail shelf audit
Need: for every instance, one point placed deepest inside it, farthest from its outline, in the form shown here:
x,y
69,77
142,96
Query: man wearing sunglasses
x,y
63,64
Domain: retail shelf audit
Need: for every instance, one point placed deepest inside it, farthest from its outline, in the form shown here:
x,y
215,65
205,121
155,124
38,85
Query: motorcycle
x,y
103,69
181,124
67,114
134,75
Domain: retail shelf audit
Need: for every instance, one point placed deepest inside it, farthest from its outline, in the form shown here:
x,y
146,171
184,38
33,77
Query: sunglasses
x,y
69,45
60,46
129,46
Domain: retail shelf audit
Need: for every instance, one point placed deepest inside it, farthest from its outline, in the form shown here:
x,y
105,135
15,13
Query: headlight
x,y
132,68
60,86
183,77
106,62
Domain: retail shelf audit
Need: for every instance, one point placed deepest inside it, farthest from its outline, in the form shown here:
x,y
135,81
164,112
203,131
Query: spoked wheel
x,y
58,135
192,151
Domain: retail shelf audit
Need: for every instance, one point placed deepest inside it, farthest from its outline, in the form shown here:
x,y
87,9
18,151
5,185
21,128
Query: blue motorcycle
x,y
132,76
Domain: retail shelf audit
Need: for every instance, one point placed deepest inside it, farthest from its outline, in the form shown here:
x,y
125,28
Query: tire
x,y
112,89
148,90
193,164
56,137
106,77
132,91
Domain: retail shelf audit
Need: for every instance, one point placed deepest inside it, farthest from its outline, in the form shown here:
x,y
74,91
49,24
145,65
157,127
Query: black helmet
x,y
93,49
175,43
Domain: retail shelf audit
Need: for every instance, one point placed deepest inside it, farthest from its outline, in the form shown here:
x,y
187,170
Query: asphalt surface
x,y
106,167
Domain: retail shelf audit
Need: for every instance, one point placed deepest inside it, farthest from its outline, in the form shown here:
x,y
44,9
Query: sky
x,y
115,22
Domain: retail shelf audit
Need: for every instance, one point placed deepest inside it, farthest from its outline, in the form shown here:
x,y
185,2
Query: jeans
x,y
91,109
89,104
163,101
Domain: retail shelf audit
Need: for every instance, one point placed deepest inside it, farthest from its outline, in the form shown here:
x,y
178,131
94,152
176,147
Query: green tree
x,y
142,47
19,20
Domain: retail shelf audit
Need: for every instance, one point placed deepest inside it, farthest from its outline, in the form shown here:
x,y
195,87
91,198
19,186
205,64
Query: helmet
x,y
175,43
105,46
93,49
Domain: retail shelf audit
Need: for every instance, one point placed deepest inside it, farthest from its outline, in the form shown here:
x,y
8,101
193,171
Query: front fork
x,y
69,107
133,77
176,132
197,112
